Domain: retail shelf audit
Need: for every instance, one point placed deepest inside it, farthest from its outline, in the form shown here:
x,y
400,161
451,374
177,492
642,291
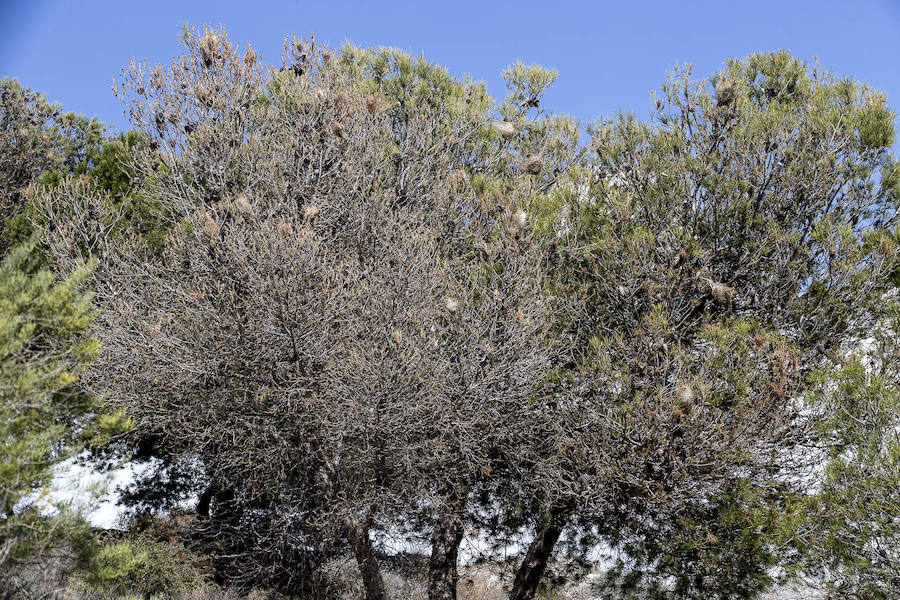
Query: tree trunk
x,y
204,501
442,574
528,577
364,551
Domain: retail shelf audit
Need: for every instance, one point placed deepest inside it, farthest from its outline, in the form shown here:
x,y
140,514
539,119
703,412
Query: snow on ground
x,y
96,492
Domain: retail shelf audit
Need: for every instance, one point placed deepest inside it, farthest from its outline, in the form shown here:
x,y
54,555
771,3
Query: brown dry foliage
x,y
295,334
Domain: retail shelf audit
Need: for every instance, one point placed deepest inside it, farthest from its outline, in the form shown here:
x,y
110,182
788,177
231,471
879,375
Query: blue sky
x,y
609,54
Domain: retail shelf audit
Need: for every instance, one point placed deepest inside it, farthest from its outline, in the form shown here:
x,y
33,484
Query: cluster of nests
x,y
726,97
210,50
533,164
210,46
726,93
241,207
340,101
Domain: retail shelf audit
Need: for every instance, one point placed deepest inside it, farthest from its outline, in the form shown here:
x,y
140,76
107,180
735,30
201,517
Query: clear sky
x,y
609,54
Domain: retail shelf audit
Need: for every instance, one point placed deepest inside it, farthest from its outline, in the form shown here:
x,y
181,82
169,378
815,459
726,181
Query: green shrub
x,y
141,567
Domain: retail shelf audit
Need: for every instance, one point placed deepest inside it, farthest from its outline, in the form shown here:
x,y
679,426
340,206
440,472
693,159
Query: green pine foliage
x,y
851,537
44,417
141,566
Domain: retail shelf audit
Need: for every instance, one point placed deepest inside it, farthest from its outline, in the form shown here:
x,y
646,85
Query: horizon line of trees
x,y
353,295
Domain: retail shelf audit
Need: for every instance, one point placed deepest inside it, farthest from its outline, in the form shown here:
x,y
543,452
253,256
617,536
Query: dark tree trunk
x,y
442,574
528,577
367,560
204,501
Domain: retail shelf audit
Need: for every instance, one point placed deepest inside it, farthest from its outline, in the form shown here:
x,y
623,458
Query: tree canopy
x,y
351,296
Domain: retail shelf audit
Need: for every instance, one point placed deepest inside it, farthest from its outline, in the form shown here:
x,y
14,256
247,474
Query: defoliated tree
x,y
340,329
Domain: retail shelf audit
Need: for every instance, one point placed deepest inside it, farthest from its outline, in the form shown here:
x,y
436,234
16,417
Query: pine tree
x,y
45,417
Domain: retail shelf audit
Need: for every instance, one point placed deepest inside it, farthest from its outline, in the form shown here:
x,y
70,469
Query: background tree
x,y
39,144
722,254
